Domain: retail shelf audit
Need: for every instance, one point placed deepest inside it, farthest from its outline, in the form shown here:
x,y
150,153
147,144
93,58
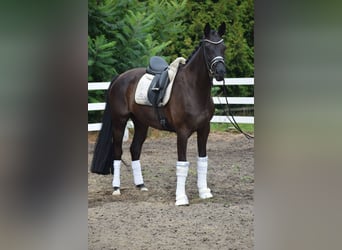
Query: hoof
x,y
142,188
205,193
116,191
182,201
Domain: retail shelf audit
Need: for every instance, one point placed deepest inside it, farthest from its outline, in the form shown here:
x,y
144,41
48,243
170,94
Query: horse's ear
x,y
207,30
222,29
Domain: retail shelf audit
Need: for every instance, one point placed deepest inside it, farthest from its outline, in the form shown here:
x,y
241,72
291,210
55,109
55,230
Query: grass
x,y
214,127
227,127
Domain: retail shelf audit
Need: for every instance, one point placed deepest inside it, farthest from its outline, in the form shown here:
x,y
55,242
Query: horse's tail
x,y
103,157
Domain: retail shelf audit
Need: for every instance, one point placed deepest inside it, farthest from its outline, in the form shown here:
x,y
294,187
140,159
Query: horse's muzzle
x,y
220,71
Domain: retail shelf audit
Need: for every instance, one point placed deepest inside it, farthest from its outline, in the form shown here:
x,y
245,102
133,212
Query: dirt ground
x,y
150,220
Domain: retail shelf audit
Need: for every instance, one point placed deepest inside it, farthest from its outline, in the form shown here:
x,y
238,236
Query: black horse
x,y
189,110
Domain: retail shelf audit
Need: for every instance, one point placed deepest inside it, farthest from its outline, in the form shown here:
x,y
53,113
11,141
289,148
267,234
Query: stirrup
x,y
182,201
205,193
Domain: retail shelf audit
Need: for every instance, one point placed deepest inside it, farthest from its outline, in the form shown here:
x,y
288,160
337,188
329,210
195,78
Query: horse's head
x,y
213,49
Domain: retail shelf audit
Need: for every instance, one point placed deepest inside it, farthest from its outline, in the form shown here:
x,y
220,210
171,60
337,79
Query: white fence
x,y
217,100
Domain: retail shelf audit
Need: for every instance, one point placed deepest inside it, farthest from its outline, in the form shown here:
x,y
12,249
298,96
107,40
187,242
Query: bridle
x,y
210,67
215,60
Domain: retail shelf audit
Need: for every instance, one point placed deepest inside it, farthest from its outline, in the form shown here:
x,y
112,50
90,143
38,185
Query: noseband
x,y
215,60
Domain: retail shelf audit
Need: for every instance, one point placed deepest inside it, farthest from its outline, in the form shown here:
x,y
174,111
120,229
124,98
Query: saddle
x,y
159,68
155,86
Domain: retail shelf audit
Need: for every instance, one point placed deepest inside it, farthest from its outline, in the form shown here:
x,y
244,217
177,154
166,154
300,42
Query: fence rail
x,y
217,100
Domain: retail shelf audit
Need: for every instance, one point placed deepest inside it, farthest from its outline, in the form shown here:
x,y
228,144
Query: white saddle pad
x,y
146,79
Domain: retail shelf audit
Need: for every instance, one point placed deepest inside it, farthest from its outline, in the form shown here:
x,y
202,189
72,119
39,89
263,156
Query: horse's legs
x,y
140,133
118,132
182,168
202,162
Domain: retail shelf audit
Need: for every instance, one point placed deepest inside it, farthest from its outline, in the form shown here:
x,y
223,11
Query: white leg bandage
x,y
137,175
116,177
202,169
182,169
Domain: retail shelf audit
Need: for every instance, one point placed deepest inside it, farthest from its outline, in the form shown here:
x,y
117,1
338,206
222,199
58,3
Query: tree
x,y
239,39
138,30
123,34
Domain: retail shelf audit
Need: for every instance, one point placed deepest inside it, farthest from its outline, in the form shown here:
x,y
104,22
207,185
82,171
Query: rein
x,y
229,113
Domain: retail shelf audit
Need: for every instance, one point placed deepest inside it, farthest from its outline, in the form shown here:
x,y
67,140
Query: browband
x,y
209,41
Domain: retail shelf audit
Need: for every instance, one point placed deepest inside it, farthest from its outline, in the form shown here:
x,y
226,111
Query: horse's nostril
x,y
220,73
220,69
219,77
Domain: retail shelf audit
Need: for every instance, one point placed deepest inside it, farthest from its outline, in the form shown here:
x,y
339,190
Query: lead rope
x,y
229,113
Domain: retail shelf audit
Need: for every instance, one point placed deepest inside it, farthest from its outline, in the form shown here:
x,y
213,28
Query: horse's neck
x,y
197,75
